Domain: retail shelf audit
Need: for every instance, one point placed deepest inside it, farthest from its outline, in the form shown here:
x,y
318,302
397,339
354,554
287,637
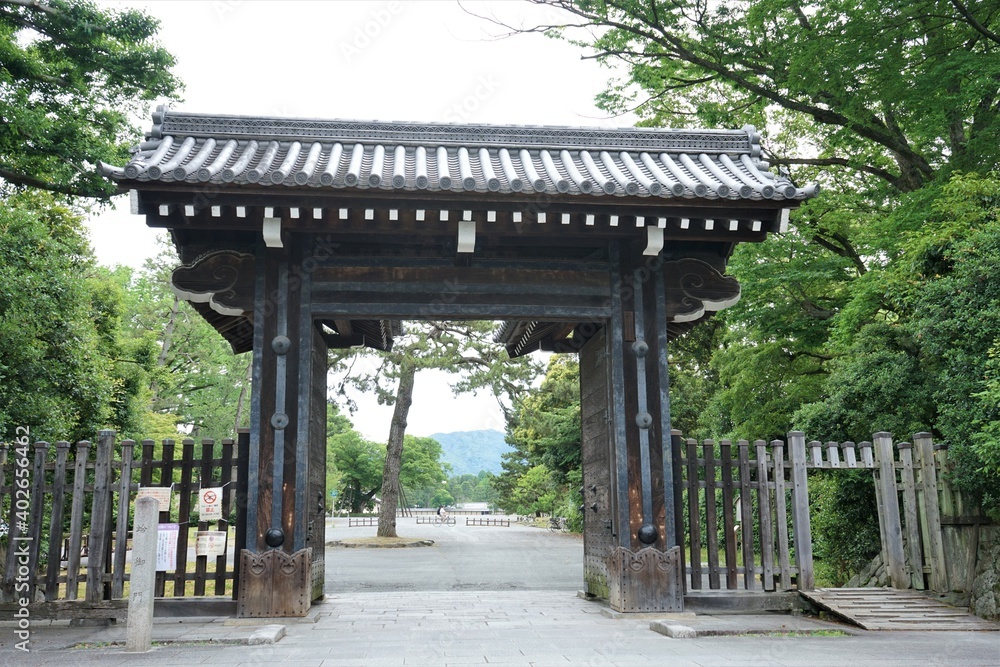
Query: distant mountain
x,y
468,452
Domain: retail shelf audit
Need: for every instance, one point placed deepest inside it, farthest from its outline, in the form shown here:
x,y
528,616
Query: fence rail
x,y
79,506
746,508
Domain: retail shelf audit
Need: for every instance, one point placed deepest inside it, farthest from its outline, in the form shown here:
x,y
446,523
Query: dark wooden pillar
x,y
643,563
287,453
599,493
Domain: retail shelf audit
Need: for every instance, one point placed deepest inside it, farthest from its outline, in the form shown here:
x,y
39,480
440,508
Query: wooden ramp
x,y
892,609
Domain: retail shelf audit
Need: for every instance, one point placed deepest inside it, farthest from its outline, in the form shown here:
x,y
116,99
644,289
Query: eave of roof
x,y
438,158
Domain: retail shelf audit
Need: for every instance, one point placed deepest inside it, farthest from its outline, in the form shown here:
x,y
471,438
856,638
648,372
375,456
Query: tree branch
x,y
33,182
35,5
974,22
888,176
874,130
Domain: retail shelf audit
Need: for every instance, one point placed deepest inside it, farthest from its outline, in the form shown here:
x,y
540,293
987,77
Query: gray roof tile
x,y
706,164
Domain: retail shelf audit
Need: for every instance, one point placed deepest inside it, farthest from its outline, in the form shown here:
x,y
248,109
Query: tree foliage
x,y
355,465
886,88
543,472
876,311
197,383
466,349
73,77
67,368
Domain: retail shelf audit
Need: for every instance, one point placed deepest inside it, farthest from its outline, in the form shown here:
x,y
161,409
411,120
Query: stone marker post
x,y
139,630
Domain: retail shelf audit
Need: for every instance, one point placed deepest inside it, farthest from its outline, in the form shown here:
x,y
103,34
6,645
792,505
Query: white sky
x,y
408,60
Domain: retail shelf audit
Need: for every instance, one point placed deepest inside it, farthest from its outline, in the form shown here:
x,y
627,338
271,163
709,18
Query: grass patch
x,y
796,633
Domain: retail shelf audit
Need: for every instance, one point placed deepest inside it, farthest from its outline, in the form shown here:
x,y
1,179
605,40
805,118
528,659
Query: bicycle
x,y
444,520
557,524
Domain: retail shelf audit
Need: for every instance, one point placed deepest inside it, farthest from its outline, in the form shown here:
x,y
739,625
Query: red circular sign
x,y
209,497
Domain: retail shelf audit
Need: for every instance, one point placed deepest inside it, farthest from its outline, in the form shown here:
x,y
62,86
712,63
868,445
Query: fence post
x,y
694,513
37,514
800,511
56,521
184,516
121,529
746,515
780,514
766,524
932,513
889,523
910,512
711,515
76,519
99,544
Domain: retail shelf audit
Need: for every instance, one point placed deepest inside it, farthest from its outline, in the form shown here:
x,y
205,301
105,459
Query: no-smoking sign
x,y
210,504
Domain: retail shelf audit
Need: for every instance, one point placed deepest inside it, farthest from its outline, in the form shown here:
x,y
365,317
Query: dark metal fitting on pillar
x,y
279,420
281,344
274,538
593,506
640,348
647,534
643,420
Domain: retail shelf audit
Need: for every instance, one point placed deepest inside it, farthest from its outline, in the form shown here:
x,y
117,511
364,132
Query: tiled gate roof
x,y
400,156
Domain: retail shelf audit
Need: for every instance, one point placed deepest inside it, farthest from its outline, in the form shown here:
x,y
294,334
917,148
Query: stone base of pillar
x,y
648,580
275,584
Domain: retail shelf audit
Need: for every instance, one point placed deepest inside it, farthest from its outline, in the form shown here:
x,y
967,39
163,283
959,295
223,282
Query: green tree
x,y
72,76
358,463
442,498
547,422
889,89
198,383
421,467
876,310
543,472
535,492
466,349
66,369
355,464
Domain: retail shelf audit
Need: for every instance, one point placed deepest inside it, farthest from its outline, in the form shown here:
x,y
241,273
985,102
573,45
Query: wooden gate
x,y
71,528
746,509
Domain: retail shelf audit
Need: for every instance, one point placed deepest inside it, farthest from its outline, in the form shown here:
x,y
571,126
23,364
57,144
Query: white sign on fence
x,y
166,547
160,493
210,504
210,543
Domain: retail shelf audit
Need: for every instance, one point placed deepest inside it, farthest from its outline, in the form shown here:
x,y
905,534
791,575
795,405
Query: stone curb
x,y
374,545
674,630
269,634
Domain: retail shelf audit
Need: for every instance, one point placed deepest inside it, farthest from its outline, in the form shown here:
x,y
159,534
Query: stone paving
x,y
443,620
523,628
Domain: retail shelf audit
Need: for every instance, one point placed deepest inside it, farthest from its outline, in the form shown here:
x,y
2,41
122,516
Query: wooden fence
x,y
747,509
87,490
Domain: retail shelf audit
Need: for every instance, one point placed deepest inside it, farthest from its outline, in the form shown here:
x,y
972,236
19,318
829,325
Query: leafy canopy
x,y
72,78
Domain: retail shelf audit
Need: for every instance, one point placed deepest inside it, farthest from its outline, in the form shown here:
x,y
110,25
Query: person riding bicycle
x,y
443,513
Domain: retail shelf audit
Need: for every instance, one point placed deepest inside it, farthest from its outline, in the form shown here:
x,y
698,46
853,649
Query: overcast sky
x,y
409,60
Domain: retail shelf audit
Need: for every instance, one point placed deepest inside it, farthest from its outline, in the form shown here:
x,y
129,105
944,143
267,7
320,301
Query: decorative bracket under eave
x,y
223,279
694,287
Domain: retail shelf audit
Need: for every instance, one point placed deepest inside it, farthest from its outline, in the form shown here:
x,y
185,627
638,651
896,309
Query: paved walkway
x,y
446,624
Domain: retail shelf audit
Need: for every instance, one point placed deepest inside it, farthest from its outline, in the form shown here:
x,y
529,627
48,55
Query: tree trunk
x,y
168,334
243,396
356,498
394,450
